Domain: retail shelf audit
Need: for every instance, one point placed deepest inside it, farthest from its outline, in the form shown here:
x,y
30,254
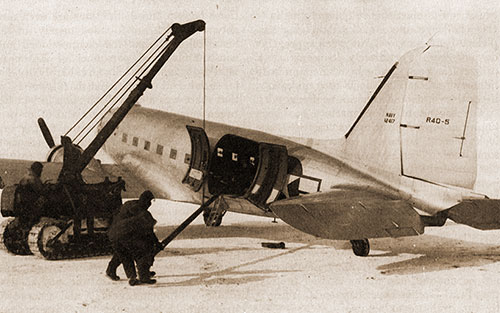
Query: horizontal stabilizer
x,y
480,213
349,215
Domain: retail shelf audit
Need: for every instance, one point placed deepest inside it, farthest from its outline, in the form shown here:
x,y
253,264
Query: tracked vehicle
x,y
69,217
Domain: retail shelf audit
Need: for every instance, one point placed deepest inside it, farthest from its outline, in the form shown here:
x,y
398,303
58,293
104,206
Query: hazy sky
x,y
298,68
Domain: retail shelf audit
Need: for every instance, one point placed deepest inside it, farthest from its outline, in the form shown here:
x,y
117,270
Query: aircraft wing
x,y
11,172
344,214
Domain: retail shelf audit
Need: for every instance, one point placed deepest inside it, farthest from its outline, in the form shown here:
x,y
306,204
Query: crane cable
x,y
120,90
116,83
120,79
204,96
204,74
135,78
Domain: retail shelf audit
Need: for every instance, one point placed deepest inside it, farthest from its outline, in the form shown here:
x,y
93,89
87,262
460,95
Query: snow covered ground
x,y
225,269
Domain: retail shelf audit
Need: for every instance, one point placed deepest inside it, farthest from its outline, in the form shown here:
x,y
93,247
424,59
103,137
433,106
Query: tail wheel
x,y
41,241
360,247
14,236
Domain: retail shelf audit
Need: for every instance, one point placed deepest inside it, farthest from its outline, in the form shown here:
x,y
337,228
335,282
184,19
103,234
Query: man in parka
x,y
32,190
133,239
32,179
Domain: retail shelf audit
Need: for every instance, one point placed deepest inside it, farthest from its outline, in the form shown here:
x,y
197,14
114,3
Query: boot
x,y
133,282
148,281
112,266
112,275
143,266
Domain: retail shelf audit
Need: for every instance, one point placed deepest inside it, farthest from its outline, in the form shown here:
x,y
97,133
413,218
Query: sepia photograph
x,y
250,156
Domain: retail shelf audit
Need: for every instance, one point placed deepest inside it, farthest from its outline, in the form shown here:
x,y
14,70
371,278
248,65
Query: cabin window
x,y
173,154
147,145
234,156
187,158
220,152
252,161
135,141
159,149
124,138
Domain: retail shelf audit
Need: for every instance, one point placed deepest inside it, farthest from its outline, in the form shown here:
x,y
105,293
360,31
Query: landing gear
x,y
14,236
213,215
360,247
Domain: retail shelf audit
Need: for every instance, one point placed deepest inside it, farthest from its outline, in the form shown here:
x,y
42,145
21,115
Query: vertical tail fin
x,y
421,120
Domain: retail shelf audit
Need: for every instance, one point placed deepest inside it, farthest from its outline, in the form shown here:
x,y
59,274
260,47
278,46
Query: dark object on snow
x,y
274,245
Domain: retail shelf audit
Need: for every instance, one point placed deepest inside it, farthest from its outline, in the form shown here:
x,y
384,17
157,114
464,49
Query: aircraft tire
x,y
360,247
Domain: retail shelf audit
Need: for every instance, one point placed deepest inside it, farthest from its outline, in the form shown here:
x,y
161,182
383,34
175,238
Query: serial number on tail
x,y
390,118
437,120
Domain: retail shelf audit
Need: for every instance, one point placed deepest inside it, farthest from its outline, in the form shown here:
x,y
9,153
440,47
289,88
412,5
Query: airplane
x,y
407,162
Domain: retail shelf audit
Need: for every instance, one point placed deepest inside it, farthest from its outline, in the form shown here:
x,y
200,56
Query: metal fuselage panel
x,y
155,146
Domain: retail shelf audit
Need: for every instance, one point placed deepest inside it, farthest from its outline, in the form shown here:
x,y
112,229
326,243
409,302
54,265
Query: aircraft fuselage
x,y
156,147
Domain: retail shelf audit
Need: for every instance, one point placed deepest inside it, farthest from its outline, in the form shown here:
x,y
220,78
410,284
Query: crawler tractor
x,y
69,218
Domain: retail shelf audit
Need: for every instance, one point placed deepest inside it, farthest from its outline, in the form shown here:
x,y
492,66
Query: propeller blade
x,y
46,133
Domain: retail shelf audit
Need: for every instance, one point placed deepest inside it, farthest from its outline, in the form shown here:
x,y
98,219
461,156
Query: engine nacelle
x,y
56,153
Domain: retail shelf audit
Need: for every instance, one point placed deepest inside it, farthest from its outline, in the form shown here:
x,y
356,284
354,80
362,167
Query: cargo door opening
x,y
233,165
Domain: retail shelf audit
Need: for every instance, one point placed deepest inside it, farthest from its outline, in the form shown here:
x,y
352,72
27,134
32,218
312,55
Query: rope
x,y
114,85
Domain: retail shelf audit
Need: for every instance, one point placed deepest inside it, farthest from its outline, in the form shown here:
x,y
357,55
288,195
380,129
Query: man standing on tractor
x,y
32,180
32,188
